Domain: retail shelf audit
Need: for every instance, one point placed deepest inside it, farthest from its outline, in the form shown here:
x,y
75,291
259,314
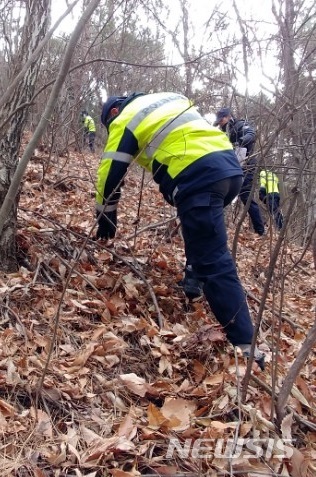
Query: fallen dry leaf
x,y
134,383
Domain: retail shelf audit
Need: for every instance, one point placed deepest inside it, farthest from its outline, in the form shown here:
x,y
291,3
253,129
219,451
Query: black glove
x,y
107,225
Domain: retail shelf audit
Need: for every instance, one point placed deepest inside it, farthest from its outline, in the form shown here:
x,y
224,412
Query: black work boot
x,y
258,355
191,286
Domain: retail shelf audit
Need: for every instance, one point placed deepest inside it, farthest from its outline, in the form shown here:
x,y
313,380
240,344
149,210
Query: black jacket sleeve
x,y
245,135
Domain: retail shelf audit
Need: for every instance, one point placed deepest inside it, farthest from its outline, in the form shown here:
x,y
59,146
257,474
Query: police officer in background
x,y
198,173
89,130
269,194
243,138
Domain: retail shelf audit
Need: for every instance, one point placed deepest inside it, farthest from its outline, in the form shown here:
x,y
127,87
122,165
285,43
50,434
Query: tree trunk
x,y
34,30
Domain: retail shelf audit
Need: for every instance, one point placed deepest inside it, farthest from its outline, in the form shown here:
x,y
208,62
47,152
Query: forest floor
x,y
91,385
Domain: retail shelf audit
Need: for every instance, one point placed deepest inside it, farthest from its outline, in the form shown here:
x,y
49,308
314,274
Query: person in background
x,y
197,171
269,194
243,138
89,130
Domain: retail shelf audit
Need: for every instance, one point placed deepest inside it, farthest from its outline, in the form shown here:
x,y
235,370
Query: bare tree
x,y
34,30
295,146
36,21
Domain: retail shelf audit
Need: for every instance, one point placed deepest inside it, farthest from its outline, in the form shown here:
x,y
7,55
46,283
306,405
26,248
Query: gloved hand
x,y
107,225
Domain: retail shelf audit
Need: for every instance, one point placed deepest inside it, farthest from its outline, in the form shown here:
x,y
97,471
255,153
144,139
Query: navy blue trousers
x,y
206,249
273,201
253,211
90,138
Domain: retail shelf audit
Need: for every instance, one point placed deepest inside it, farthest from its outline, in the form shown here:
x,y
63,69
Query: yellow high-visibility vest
x,y
269,180
165,129
89,124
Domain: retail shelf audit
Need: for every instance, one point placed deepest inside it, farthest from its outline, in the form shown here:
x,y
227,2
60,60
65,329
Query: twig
x,y
298,418
219,474
49,278
141,275
30,149
291,376
139,206
14,188
16,316
302,269
87,239
236,433
66,264
279,315
307,245
156,225
270,273
68,178
36,272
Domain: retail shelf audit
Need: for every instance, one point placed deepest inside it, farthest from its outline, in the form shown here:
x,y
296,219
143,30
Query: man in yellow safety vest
x,y
269,194
89,129
198,172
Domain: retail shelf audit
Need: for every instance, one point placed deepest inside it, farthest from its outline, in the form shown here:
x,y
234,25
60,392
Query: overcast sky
x,y
200,11
249,9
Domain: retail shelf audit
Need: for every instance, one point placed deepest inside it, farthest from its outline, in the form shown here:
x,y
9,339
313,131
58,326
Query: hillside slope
x,y
91,385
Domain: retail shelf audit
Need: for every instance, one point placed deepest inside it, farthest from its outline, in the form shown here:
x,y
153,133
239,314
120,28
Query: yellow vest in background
x,y
269,180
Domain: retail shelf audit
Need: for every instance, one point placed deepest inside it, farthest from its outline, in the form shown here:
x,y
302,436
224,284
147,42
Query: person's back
x,y
167,137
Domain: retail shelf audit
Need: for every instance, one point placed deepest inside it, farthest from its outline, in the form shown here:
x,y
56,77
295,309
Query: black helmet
x,y
111,102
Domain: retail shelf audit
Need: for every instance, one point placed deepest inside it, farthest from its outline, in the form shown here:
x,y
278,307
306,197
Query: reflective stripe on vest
x,y
107,208
143,113
118,156
170,125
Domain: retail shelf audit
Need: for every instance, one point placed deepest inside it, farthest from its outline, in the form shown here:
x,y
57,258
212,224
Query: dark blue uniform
x,y
241,134
205,240
197,172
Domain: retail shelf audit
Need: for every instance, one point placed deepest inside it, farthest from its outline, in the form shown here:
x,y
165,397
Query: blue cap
x,y
111,102
222,113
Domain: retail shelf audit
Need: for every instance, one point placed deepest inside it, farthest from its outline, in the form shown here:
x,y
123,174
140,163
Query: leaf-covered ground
x,y
92,386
